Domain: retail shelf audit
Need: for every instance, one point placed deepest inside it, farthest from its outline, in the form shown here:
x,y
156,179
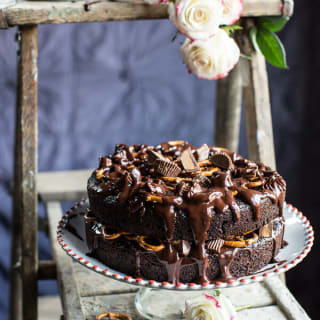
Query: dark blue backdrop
x,y
101,84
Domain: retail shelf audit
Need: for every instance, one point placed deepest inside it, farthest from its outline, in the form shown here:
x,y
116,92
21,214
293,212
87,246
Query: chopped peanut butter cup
x,y
266,230
167,168
104,162
215,245
222,160
188,161
202,180
202,153
153,156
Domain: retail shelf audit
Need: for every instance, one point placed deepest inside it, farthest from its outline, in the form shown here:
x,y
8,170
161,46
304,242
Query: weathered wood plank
x,y
42,12
124,303
3,20
28,135
264,313
92,284
7,3
63,185
16,228
257,105
49,308
285,300
68,288
47,270
228,110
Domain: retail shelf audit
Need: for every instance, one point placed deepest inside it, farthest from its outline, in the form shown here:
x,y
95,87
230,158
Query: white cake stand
x,y
298,233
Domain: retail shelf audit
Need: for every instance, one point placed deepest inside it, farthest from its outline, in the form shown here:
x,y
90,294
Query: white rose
x,y
207,307
231,11
197,19
212,59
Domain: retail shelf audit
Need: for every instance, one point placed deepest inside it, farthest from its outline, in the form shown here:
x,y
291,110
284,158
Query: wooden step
x,y
55,12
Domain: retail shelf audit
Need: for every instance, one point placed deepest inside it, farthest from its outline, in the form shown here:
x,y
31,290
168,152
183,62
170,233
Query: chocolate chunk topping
x,y
153,156
215,245
222,160
105,162
188,161
202,153
167,168
266,231
202,180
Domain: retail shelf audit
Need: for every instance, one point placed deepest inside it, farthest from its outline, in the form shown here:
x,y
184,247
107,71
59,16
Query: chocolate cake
x,y
178,213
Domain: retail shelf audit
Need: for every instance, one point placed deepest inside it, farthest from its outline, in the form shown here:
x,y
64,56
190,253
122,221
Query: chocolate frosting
x,y
130,176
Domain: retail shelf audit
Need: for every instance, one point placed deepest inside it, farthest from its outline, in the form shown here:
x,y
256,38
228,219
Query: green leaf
x,y
274,24
271,47
217,293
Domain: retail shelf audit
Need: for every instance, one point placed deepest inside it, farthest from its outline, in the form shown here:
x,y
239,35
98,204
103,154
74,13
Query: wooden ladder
x,y
247,83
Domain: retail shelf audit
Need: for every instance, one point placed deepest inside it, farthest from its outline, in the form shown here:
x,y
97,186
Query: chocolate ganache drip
x,y
177,177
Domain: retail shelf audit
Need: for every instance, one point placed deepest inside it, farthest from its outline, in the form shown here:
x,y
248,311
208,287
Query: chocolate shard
x,y
202,180
153,156
188,161
104,162
215,245
222,161
167,168
202,153
266,230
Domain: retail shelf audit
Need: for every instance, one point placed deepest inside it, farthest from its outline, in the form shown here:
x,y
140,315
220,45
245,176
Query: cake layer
x,y
223,263
177,191
150,223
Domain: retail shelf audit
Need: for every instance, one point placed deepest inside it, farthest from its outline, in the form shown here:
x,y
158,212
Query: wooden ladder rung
x,y
63,185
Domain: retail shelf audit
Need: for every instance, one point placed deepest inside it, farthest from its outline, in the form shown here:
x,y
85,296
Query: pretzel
x,y
235,243
87,218
248,232
204,163
209,172
110,236
152,197
222,149
253,239
113,316
145,245
254,184
130,236
241,243
99,174
175,143
176,179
